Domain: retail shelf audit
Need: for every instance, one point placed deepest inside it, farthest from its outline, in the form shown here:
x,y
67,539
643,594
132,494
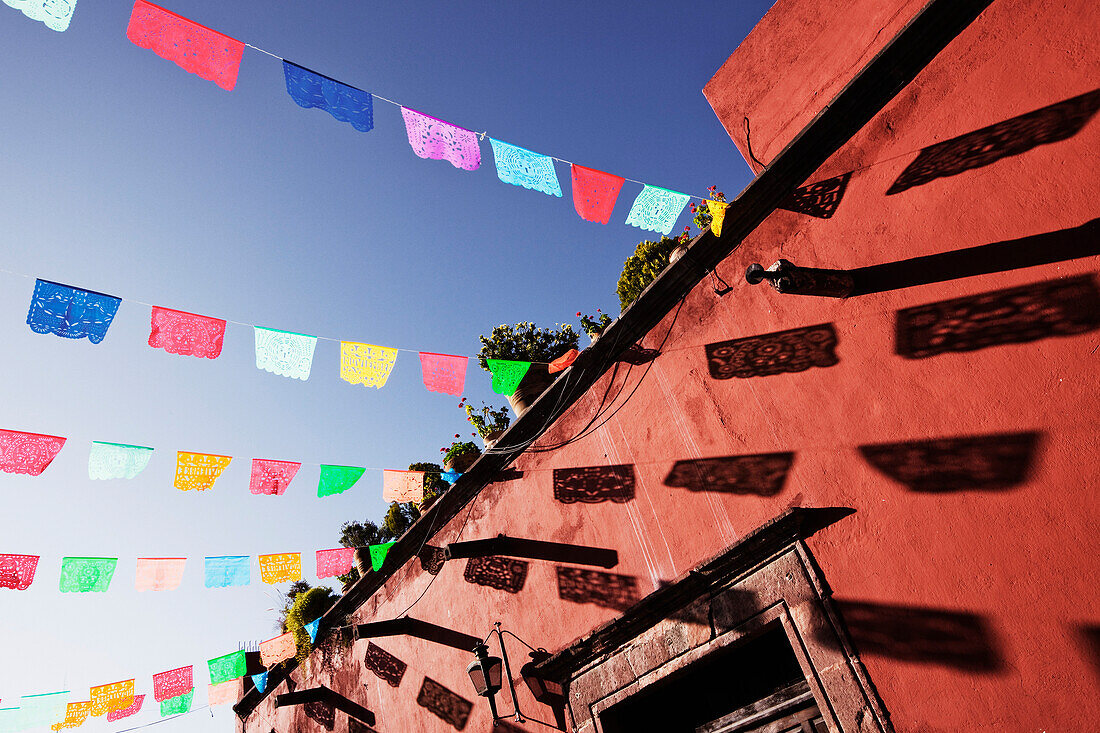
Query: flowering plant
x,y
458,449
594,326
702,213
486,420
526,342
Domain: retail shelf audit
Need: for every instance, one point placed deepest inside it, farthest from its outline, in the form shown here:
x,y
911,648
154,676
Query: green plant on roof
x,y
524,341
486,420
643,267
458,450
307,607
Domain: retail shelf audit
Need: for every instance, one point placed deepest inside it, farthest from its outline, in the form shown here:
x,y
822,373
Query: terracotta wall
x,y
968,574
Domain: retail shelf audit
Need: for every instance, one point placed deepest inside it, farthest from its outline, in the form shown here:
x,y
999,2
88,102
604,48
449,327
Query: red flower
x,y
578,313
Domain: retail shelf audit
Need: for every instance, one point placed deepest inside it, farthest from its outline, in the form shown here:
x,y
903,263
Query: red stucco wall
x,y
1018,563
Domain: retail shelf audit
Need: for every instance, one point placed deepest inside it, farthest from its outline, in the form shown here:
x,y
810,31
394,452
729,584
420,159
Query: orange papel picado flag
x,y
278,649
281,568
198,470
402,486
111,698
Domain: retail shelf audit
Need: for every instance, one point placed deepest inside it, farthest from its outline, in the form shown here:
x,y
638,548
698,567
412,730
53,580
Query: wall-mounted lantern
x,y
486,675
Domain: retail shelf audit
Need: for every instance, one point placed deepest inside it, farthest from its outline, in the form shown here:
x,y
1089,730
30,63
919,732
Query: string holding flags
x,y
70,312
195,48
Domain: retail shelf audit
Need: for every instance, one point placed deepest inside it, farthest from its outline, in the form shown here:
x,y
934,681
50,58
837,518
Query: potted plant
x,y
524,341
594,325
460,456
643,267
489,423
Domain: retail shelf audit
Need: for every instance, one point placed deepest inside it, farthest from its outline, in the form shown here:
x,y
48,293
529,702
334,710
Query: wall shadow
x,y
321,712
638,355
1033,312
503,573
795,350
354,726
1014,136
321,703
819,199
608,590
446,705
1012,254
384,665
996,462
508,474
594,484
762,474
1090,644
915,634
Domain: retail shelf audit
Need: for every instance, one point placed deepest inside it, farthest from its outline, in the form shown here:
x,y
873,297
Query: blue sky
x,y
127,175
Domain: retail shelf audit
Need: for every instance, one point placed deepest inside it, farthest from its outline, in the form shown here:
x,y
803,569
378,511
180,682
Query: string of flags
x,y
217,57
72,312
158,574
173,690
31,453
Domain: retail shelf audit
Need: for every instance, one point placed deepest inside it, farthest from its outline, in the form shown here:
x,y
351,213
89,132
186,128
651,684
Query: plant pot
x,y
677,253
362,561
491,439
533,384
461,463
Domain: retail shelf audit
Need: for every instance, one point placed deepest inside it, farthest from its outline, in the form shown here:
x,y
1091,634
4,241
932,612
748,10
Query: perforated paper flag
x,y
172,683
378,554
86,574
117,460
338,561
337,479
111,697
224,693
563,362
177,705
311,628
187,334
366,364
17,571
345,103
521,167
657,209
133,709
278,649
507,374
198,470
27,453
227,667
595,193
284,353
72,313
159,573
36,711
718,215
450,476
193,47
439,140
54,14
402,486
272,477
443,372
260,680
281,568
75,715
223,571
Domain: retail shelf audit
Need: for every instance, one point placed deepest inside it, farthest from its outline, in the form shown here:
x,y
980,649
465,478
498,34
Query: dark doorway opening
x,y
752,687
